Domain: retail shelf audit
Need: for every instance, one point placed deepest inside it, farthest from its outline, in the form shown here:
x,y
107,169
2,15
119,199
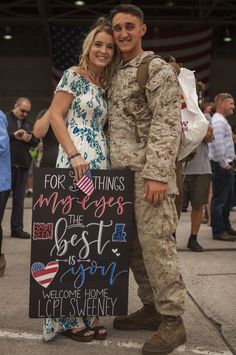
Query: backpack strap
x,y
142,74
142,78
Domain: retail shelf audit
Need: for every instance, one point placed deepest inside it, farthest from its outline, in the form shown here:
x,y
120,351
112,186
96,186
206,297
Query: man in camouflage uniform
x,y
144,133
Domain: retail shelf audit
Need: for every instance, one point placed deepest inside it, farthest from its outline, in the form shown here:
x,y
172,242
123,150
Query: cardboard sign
x,y
80,244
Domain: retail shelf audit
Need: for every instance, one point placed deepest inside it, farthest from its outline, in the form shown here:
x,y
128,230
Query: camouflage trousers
x,y
154,260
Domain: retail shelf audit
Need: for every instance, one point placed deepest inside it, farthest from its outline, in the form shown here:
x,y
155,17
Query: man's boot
x,y
169,336
2,264
145,318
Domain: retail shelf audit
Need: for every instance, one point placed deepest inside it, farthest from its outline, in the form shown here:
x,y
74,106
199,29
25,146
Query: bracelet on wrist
x,y
72,156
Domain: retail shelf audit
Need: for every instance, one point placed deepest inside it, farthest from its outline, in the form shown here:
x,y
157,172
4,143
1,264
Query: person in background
x,y
30,179
21,140
144,133
208,109
221,153
5,176
77,115
43,130
197,178
233,199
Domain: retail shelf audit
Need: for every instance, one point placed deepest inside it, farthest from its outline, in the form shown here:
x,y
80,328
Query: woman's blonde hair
x,y
102,25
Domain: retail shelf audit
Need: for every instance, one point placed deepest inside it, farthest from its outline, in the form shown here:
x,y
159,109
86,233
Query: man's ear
x,y
143,29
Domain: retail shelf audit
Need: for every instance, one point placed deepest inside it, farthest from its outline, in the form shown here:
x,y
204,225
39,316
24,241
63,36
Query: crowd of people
x,y
144,134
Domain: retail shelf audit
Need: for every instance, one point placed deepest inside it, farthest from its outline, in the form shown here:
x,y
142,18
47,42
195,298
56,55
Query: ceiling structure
x,y
30,23
40,12
29,20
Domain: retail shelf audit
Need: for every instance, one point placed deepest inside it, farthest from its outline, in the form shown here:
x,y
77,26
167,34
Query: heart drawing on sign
x,y
44,275
114,250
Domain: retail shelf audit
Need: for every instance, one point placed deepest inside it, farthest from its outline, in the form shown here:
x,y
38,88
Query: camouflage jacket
x,y
157,120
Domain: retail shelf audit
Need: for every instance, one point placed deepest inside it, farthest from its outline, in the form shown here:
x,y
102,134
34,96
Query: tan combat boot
x,y
169,336
145,318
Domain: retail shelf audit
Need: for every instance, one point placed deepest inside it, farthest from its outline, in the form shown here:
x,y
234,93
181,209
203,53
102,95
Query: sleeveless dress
x,y
85,120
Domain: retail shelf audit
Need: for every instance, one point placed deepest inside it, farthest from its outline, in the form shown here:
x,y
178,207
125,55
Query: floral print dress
x,y
85,120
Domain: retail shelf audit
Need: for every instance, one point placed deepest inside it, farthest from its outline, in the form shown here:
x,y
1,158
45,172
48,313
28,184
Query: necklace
x,y
94,79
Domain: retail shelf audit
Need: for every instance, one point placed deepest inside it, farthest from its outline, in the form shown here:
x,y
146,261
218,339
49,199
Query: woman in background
x,y
43,130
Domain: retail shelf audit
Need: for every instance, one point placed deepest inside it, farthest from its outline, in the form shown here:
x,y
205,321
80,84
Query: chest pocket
x,y
136,107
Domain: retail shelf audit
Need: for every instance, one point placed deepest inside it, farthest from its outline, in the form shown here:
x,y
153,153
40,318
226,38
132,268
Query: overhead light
x,y
156,30
80,3
227,37
7,35
170,3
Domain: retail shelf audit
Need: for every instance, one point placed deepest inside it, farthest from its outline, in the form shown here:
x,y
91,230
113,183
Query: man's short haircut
x,y
22,99
222,97
128,9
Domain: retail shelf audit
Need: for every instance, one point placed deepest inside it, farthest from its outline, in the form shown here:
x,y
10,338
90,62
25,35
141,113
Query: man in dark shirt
x,y
21,140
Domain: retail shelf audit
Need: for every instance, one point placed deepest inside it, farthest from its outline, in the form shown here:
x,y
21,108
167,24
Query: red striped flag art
x,y
85,184
44,275
191,47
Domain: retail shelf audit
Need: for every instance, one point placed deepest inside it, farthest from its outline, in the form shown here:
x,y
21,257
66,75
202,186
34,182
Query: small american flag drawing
x,y
44,275
85,184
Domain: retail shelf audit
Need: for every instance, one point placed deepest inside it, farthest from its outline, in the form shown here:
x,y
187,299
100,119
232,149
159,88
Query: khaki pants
x,y
154,260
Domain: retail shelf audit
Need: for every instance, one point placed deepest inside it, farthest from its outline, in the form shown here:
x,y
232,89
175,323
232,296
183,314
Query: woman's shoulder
x,y
71,81
78,71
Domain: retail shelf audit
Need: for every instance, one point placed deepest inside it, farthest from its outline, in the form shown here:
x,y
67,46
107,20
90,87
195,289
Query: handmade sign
x,y
80,244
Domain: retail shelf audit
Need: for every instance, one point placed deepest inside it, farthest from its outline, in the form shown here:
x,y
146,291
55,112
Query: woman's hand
x,y
80,166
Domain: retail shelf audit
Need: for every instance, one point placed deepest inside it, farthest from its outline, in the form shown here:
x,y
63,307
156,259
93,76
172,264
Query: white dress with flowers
x,y
85,120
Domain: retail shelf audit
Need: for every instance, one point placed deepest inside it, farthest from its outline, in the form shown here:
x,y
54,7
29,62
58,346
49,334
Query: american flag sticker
x,y
85,184
44,275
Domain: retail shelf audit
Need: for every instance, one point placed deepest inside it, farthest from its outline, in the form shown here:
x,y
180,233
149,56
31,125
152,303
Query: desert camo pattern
x,y
154,259
157,117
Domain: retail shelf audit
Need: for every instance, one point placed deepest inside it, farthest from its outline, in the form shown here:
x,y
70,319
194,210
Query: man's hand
x,y
22,135
26,137
225,166
19,134
155,191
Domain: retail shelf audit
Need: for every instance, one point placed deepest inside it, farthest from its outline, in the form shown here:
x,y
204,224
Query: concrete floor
x,y
210,316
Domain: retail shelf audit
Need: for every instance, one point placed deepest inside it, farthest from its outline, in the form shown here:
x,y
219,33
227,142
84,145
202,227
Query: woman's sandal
x,y
80,335
97,335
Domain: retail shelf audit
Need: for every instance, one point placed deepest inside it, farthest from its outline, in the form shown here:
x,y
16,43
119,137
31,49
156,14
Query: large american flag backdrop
x,y
66,44
191,47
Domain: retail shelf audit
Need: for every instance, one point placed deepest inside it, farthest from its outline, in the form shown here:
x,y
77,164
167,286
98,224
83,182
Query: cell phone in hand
x,y
20,134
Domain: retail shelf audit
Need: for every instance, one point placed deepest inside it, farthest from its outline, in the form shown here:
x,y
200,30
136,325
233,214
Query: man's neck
x,y
129,56
221,113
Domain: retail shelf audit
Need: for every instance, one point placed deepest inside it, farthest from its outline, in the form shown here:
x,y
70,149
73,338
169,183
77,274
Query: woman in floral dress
x,y
77,115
